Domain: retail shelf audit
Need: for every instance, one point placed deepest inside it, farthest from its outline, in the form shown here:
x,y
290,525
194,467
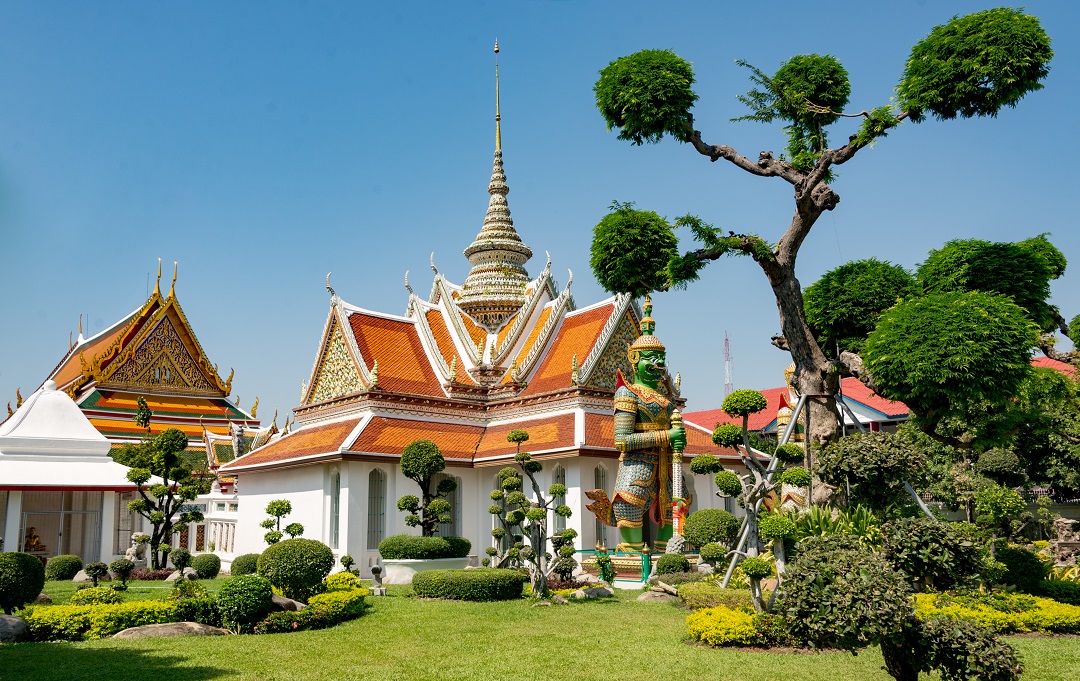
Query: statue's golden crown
x,y
646,341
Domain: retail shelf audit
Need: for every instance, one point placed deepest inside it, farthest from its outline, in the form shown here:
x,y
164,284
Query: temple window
x,y
600,482
376,515
335,508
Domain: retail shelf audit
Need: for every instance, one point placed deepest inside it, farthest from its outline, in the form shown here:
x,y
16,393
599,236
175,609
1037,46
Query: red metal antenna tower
x,y
727,366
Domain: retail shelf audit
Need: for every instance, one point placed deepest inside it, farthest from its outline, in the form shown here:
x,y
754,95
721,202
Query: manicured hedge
x,y
296,566
701,595
1059,590
672,562
342,605
1005,613
722,626
207,565
411,547
245,564
22,577
88,622
63,567
487,584
95,596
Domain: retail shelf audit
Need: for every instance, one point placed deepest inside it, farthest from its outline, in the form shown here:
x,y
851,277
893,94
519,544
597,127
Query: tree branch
x,y
1046,344
766,165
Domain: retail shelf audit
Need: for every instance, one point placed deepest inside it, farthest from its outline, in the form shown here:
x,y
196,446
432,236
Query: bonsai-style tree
x,y
972,66
420,461
872,468
278,509
520,515
162,503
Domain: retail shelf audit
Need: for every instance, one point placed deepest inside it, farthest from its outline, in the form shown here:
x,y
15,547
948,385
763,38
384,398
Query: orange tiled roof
x,y
389,436
445,341
698,442
322,439
507,325
577,336
600,430
1044,362
127,428
477,334
172,405
403,366
71,367
555,432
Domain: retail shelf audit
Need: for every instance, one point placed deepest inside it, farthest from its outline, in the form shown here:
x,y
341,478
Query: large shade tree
x,y
972,66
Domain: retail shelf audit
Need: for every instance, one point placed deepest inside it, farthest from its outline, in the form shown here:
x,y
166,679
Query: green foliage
x,y
711,525
489,584
712,553
296,566
809,91
796,477
341,604
342,581
1004,612
631,250
180,557
1021,271
324,610
789,454
187,588
962,650
517,436
646,95
672,562
1002,466
821,521
96,571
757,567
121,567
931,553
63,567
744,403
843,306
244,600
941,350
995,504
294,529
727,435
409,547
721,626
776,526
1059,590
245,564
421,460
728,484
279,508
1023,569
347,562
975,65
709,594
95,596
875,465
705,464
91,622
207,565
838,595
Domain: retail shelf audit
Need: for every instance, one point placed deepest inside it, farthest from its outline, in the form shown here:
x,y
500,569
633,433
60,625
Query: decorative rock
x,y
705,568
189,573
593,592
12,629
542,604
170,629
82,578
281,603
657,597
43,599
559,599
676,544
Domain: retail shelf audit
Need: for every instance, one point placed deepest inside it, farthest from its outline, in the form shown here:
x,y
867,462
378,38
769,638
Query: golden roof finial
x,y
172,289
498,117
255,407
9,411
18,398
273,423
80,326
157,284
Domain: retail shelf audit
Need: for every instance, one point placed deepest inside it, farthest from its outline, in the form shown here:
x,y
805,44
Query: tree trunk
x,y
897,664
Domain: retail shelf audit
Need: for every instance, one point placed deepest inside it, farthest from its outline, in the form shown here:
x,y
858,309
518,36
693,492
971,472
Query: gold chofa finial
x,y
157,284
18,398
172,289
498,117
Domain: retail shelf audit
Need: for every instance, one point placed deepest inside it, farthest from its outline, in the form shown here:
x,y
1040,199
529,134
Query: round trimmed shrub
x,y
744,402
776,526
728,484
98,595
757,567
207,565
410,547
96,571
489,584
342,581
22,576
245,564
181,558
296,566
712,553
1002,466
63,567
1023,569
672,562
244,600
790,454
122,568
796,477
727,435
711,525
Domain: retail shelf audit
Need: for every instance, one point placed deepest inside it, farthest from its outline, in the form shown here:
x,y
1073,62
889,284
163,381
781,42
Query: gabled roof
x,y
1044,362
576,336
395,345
710,418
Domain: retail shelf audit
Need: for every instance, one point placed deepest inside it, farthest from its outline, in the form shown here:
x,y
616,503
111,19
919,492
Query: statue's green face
x,y
651,366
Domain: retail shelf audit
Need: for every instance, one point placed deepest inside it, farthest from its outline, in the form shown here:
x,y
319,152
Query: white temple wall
x,y
303,486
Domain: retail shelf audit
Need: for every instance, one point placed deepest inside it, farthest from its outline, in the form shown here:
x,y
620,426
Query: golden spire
x,y
157,284
498,118
172,289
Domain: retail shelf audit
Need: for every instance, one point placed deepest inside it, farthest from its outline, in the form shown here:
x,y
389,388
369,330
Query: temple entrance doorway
x,y
55,523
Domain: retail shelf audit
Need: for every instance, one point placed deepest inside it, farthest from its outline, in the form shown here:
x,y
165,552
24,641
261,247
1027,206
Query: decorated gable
x,y
336,372
162,361
613,356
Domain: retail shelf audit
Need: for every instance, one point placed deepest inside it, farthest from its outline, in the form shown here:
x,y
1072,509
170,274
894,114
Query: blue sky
x,y
264,144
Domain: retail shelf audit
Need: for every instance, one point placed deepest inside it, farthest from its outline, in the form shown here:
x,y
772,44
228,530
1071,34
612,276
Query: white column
x,y
108,525
344,487
12,538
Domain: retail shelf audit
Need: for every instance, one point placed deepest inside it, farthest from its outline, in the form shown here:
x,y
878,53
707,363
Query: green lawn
x,y
402,638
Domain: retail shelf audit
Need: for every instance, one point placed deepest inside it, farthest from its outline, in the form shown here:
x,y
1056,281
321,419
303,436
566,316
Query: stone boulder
x,y
657,597
593,592
280,603
81,578
12,629
189,573
43,599
170,629
559,599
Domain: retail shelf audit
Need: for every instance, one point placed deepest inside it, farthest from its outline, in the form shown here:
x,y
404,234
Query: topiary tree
x,y
1002,466
1023,569
161,503
22,577
711,526
520,515
245,564
277,510
244,600
122,568
181,558
873,466
96,571
296,566
63,567
420,461
973,66
207,565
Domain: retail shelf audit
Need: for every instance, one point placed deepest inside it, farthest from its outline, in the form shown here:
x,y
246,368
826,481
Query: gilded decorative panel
x,y
337,372
614,357
163,361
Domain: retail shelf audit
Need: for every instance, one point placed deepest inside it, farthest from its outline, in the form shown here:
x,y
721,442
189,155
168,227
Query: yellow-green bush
x,y
340,605
88,622
722,626
1003,612
342,581
701,595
